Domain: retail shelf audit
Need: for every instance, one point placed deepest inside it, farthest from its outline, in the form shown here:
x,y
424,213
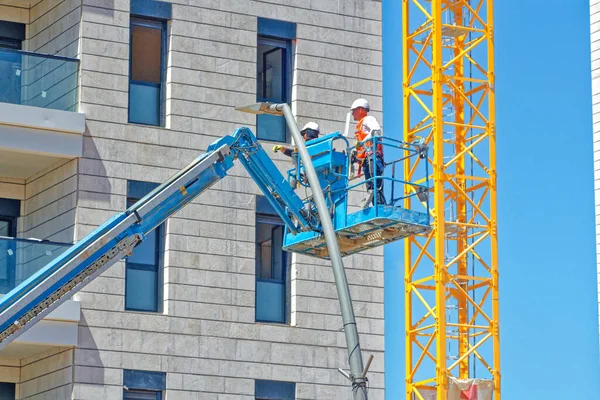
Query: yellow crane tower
x,y
451,274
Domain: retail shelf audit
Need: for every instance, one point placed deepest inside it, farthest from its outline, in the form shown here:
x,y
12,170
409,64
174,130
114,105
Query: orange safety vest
x,y
360,136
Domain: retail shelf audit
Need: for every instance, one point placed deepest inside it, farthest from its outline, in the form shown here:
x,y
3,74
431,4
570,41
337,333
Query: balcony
x,y
19,259
39,122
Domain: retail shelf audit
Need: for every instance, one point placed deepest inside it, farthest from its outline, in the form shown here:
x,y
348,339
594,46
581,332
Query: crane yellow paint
x,y
451,273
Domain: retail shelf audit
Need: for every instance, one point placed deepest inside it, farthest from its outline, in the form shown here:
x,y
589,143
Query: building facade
x,y
100,101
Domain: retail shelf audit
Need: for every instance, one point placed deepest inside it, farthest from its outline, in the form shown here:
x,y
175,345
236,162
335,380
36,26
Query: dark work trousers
x,y
368,171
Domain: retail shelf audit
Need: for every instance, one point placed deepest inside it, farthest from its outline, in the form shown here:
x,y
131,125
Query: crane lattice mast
x,y
451,273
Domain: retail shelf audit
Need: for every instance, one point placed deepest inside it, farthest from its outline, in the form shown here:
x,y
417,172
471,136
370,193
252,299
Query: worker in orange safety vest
x,y
366,128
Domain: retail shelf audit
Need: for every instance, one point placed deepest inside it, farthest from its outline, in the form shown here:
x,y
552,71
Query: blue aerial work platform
x,y
364,228
356,230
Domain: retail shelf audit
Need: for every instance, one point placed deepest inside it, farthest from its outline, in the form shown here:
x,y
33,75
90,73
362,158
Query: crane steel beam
x,y
451,274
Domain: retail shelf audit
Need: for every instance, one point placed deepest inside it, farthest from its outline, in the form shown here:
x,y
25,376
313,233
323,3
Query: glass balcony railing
x,y
38,80
21,258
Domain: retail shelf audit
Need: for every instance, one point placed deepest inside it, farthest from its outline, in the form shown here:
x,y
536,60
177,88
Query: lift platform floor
x,y
365,229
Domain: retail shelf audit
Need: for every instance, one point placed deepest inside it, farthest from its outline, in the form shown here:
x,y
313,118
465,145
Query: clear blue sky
x,y
549,323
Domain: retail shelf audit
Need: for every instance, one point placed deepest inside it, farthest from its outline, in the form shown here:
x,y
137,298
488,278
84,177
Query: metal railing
x,y
395,152
39,80
395,188
21,258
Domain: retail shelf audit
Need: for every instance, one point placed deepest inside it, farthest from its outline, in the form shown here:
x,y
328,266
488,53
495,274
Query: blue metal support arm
x,y
49,287
271,182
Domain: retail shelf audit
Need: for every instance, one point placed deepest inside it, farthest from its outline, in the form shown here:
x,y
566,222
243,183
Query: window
x,y
142,395
271,270
272,86
8,262
143,281
8,43
273,78
273,390
146,76
12,35
7,227
7,391
143,385
9,212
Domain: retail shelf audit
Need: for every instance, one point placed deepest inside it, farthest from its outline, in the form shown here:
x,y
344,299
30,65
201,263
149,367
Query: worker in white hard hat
x,y
309,132
366,128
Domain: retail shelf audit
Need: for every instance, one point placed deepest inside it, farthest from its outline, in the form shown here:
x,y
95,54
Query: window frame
x,y
10,212
273,220
157,393
280,43
12,268
157,267
15,47
155,24
285,390
12,221
285,265
144,383
9,389
12,35
10,43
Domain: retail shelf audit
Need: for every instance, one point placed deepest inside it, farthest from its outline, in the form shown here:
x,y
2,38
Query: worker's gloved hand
x,y
353,158
276,148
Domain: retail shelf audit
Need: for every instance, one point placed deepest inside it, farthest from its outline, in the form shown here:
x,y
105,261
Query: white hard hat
x,y
311,125
360,103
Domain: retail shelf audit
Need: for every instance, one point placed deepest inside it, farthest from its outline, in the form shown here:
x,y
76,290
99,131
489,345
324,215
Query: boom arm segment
x,y
49,287
271,182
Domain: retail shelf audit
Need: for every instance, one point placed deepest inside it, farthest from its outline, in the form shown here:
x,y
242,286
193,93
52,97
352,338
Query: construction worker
x,y
310,131
366,128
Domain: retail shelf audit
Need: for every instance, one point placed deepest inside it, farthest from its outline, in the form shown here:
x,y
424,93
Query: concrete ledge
x,y
50,333
42,118
40,142
33,139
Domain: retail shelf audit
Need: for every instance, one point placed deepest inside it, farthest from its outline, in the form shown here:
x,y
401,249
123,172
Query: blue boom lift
x,y
45,290
362,229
